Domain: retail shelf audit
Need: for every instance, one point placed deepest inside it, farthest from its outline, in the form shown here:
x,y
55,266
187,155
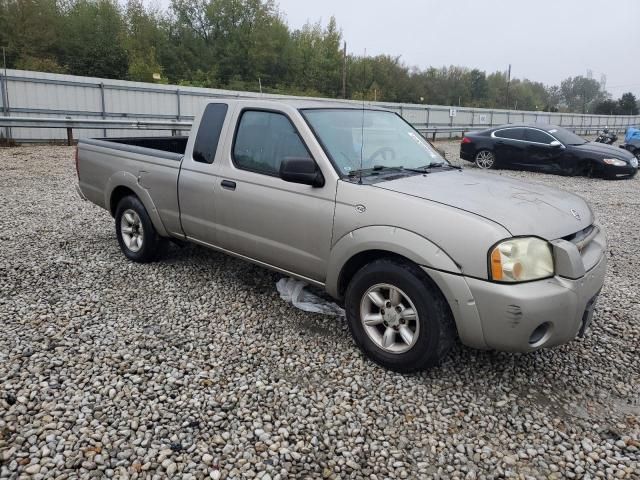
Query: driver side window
x,y
263,140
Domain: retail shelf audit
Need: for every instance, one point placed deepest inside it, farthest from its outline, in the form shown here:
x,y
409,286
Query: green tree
x,y
93,39
32,32
478,86
628,105
581,94
143,36
606,107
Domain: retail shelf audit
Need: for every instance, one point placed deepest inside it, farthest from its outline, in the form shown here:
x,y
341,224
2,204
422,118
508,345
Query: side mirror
x,y
301,170
556,144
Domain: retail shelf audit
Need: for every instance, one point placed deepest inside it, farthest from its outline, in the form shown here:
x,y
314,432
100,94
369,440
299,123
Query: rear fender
x,y
126,179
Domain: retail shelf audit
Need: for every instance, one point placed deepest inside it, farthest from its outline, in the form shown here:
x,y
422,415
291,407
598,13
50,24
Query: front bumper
x,y
529,316
612,171
522,317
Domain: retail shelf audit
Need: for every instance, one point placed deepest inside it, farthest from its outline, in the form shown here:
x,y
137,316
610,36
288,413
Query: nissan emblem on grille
x,y
575,213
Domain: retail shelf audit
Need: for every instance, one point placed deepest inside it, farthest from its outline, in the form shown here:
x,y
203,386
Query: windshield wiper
x,y
374,170
438,165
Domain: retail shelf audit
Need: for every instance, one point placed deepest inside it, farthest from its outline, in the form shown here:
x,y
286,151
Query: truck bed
x,y
165,144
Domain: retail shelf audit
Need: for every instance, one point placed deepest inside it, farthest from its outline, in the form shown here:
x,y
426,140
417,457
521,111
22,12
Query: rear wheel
x,y
398,317
137,237
485,159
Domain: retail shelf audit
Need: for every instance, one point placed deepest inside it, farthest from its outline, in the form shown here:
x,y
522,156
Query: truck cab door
x,y
198,182
259,215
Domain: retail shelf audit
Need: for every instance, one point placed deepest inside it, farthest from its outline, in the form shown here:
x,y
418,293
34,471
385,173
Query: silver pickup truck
x,y
356,201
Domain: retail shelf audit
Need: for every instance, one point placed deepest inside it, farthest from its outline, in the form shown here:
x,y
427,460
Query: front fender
x,y
126,179
391,239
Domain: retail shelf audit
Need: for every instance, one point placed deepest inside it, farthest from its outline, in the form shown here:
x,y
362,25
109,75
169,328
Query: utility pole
x,y
508,83
344,71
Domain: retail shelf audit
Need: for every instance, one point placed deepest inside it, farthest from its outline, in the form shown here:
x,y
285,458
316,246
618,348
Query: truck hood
x,y
522,208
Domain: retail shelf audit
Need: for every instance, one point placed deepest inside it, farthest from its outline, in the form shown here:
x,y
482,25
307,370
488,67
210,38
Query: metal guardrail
x,y
174,125
89,123
34,94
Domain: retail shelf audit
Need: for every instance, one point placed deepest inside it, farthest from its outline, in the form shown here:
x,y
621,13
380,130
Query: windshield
x,y
368,139
566,137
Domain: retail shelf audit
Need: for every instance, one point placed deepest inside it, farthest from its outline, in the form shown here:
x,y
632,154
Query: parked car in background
x,y
545,148
632,141
357,202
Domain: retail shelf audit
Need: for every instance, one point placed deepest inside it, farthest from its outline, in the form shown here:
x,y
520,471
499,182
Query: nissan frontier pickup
x,y
354,200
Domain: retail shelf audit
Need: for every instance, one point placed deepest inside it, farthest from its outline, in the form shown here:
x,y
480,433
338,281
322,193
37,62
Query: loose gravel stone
x,y
194,367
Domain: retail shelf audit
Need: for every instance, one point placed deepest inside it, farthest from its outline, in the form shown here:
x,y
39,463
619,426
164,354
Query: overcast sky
x,y
544,40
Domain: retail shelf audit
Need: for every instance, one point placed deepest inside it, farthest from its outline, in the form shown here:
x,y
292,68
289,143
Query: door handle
x,y
228,184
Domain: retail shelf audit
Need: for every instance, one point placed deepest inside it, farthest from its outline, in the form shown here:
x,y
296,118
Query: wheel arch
x,y
367,244
123,184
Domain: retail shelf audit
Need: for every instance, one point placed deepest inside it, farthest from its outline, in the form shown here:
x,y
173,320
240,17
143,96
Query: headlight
x,y
520,260
615,162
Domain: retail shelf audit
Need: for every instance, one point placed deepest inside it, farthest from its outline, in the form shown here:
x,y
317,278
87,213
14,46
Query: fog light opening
x,y
540,334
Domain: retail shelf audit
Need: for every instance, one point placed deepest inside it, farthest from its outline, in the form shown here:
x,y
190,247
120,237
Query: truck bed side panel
x,y
151,174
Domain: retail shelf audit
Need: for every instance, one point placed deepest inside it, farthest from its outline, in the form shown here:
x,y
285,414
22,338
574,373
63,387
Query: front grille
x,y
591,243
579,236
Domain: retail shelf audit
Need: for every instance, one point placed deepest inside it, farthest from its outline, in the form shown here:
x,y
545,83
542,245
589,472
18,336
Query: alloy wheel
x,y
485,159
389,318
131,230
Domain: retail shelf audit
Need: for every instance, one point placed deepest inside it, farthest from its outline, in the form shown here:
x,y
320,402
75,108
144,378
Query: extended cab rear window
x,y
206,144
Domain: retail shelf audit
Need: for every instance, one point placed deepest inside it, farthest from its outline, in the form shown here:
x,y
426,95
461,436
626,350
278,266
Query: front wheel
x,y
137,237
485,159
398,317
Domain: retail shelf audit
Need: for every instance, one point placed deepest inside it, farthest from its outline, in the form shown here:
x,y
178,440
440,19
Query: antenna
x,y
364,80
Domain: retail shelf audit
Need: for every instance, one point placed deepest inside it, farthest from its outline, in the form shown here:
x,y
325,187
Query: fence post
x,y
104,110
428,115
69,136
4,91
491,119
175,132
451,125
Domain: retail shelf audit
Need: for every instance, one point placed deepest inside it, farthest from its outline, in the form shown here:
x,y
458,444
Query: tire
x,y
485,159
385,339
141,243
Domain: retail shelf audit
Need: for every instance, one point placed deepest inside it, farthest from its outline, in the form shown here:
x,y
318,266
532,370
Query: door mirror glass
x,y
301,170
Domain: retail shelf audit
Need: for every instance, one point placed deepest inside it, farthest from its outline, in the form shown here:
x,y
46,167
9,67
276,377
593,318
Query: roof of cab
x,y
304,103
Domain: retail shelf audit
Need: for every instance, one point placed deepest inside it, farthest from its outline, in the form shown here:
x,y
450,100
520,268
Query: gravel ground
x,y
193,367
